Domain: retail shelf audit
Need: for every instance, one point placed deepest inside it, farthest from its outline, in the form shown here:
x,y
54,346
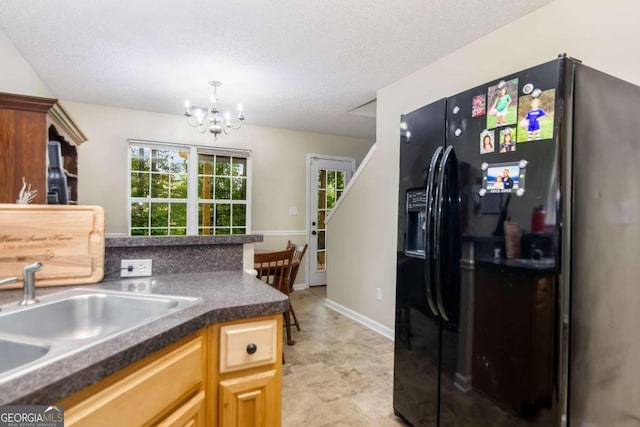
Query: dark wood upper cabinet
x,y
26,124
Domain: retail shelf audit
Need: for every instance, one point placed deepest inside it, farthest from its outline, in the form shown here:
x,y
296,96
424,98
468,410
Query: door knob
x,y
314,232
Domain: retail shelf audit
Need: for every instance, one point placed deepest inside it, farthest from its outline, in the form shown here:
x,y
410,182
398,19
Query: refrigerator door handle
x,y
429,258
447,157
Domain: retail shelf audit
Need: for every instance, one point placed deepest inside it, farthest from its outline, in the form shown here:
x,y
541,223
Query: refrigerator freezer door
x,y
605,296
417,327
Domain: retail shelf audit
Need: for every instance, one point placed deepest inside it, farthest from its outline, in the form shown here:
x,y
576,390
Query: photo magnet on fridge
x,y
536,113
479,105
503,104
507,140
487,141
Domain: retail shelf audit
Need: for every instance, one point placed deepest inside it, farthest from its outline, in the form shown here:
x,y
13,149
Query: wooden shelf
x,y
27,123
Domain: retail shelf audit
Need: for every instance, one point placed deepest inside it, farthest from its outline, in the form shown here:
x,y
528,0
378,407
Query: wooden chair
x,y
274,268
298,254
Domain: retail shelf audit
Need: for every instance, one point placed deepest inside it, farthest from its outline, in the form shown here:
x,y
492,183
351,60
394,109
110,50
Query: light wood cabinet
x,y
228,374
26,124
145,392
249,400
191,414
246,387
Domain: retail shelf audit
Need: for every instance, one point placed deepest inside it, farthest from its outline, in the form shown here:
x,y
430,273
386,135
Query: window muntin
x,y
160,199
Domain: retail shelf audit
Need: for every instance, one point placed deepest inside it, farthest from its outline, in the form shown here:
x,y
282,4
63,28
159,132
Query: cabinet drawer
x,y
247,345
191,414
145,393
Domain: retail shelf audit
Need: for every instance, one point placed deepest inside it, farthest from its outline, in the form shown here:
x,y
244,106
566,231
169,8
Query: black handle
x,y
447,170
314,232
429,274
252,348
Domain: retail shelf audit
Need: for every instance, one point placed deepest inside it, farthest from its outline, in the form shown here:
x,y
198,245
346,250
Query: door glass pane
x,y
322,199
331,179
322,178
321,240
321,216
340,180
320,264
331,198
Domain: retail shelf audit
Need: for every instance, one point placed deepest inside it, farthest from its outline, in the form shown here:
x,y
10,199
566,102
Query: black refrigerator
x,y
511,308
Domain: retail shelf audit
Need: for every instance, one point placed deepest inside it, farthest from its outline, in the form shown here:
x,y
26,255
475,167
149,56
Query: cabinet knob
x,y
252,348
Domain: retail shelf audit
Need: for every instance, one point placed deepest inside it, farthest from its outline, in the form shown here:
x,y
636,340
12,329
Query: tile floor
x,y
338,373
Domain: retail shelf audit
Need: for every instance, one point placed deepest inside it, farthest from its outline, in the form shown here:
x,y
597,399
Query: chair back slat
x,y
274,268
298,255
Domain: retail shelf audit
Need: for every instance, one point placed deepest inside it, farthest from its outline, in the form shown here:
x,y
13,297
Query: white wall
x,y
16,75
603,34
279,169
279,155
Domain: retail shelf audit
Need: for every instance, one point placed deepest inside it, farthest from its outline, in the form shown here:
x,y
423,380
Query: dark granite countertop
x,y
119,242
225,295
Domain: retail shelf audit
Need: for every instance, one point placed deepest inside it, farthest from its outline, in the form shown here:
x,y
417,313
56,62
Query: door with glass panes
x,y
328,178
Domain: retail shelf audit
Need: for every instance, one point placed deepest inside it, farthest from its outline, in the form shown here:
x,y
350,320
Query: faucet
x,y
29,283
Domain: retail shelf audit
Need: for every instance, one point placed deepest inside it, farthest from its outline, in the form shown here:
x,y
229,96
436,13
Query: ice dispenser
x,y
415,222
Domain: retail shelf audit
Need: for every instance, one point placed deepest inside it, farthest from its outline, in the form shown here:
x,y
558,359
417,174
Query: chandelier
x,y
209,118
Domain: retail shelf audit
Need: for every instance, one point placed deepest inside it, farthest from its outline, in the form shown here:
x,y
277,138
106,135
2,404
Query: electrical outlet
x,y
379,294
135,267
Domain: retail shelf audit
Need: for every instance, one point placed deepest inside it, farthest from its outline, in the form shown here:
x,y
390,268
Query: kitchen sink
x,y
68,321
16,353
83,314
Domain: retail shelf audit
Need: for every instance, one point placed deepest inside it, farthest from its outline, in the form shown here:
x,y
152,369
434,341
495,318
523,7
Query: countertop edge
x,y
60,379
144,241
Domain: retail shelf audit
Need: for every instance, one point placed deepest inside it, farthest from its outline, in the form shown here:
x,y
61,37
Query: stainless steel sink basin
x,y
16,353
87,315
68,321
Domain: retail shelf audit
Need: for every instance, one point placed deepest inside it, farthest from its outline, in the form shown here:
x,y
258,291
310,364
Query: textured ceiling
x,y
293,64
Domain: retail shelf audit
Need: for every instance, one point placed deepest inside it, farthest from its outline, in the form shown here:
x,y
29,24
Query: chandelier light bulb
x,y
210,119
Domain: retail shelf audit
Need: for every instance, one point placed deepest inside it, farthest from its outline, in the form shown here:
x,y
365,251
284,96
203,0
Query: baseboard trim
x,y
369,323
300,286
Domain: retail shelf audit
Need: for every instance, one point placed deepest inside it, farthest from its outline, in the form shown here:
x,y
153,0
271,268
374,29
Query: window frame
x,y
193,200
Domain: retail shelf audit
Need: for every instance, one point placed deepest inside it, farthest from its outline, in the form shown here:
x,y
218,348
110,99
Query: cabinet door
x,y
249,401
191,414
145,393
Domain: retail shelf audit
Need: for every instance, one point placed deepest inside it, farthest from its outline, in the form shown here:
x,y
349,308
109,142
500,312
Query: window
x,y
222,193
187,190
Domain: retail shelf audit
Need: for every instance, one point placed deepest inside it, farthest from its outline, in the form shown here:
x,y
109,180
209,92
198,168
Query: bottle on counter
x,y
537,219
